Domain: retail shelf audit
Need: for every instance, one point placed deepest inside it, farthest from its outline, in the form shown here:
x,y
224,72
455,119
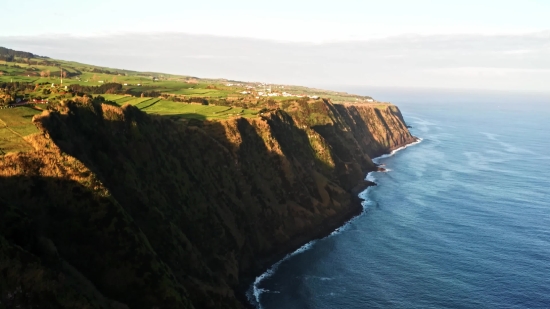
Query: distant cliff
x,y
119,209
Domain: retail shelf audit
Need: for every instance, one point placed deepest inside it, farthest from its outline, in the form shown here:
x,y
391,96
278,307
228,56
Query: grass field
x,y
14,124
147,103
136,101
113,97
197,111
184,110
124,99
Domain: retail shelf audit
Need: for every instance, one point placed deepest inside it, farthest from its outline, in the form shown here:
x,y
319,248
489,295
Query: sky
x,y
483,44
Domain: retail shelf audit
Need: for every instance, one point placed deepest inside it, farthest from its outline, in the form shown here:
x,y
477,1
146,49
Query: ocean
x,y
459,220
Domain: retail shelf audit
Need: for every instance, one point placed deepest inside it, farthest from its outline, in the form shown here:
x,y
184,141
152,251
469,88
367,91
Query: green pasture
x,y
134,101
148,103
113,97
158,106
127,99
197,111
203,92
14,124
18,78
124,100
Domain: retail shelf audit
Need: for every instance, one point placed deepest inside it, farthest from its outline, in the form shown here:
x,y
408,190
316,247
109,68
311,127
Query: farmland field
x,y
158,106
112,97
125,99
14,124
145,104
197,111
136,101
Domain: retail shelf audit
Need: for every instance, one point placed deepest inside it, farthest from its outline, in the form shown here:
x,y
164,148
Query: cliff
x,y
119,209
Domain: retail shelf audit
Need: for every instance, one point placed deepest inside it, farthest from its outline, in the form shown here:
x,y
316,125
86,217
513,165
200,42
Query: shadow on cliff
x,y
65,245
360,130
214,204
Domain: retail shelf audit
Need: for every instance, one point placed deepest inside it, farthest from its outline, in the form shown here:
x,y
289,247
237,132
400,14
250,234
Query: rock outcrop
x,y
119,209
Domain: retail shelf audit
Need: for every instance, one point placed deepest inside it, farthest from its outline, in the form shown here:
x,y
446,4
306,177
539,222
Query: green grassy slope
x,y
28,70
15,123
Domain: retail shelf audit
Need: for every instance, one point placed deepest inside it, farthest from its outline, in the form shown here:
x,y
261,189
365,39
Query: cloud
x,y
476,71
500,62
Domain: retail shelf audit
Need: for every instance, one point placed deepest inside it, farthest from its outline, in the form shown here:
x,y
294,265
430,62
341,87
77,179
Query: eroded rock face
x,y
117,208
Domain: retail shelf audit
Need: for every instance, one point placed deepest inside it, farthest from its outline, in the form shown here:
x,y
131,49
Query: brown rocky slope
x,y
118,209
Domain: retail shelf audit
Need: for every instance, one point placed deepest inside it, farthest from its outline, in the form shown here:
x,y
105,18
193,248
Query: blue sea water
x,y
460,220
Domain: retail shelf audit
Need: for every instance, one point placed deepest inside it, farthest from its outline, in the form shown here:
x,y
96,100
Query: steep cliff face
x,y
116,208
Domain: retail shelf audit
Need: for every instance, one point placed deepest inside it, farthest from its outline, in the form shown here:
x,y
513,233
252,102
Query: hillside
x,y
27,68
114,201
117,208
32,83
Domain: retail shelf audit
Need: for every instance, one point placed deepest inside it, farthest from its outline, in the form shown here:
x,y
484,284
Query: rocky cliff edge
x,y
119,209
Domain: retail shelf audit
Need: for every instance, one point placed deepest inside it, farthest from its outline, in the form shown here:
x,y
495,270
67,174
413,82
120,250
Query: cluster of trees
x,y
102,71
13,66
114,88
269,103
20,60
49,63
13,87
7,54
203,101
7,58
105,88
143,93
5,99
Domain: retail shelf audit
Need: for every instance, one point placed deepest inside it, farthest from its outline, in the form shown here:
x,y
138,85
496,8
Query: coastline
x,y
333,226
